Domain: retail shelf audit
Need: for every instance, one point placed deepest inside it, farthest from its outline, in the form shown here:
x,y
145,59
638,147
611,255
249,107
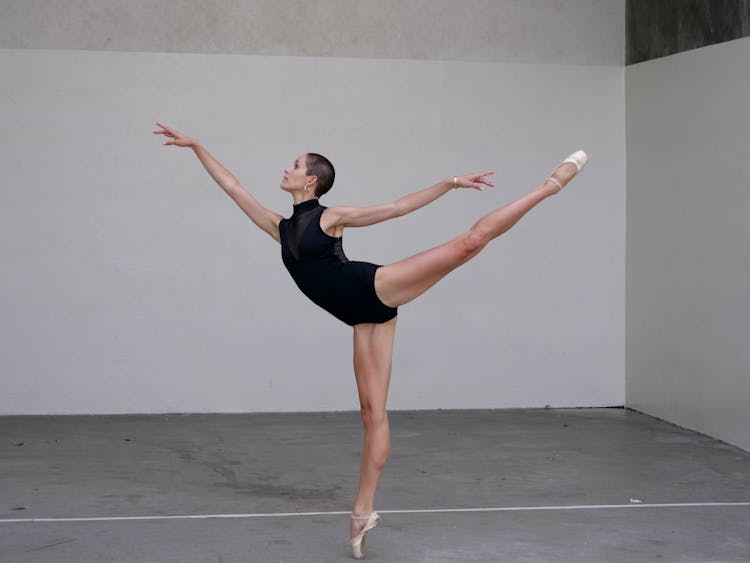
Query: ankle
x,y
549,188
363,510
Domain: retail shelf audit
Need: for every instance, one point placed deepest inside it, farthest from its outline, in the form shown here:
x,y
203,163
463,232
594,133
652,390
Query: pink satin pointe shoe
x,y
358,541
579,158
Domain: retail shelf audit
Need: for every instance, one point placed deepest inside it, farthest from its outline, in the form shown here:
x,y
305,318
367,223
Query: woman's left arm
x,y
362,216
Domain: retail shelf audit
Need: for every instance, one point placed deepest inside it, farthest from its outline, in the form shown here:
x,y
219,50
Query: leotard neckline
x,y
306,205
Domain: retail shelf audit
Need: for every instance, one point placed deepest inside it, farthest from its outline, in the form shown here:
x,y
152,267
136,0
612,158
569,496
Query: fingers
x,y
171,142
477,181
481,178
166,130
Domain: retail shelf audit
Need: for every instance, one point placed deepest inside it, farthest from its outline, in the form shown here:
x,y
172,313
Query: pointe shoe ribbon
x,y
358,541
578,158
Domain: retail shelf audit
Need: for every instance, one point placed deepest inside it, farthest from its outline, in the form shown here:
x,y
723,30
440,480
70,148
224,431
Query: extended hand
x,y
179,139
476,181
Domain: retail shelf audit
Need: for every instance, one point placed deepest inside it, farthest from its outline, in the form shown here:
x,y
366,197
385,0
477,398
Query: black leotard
x,y
320,269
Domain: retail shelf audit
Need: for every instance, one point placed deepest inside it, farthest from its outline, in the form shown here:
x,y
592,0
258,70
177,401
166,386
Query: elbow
x,y
231,185
231,181
399,208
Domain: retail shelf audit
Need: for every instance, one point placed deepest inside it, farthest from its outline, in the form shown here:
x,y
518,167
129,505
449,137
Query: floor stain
x,y
47,546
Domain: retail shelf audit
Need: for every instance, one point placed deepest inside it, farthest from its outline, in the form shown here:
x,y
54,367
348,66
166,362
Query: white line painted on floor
x,y
405,511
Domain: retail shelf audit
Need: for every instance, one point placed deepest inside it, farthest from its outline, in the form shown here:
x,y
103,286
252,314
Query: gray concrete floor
x,y
270,464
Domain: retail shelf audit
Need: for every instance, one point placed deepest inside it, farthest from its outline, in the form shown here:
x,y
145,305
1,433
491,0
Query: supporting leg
x,y
401,282
373,351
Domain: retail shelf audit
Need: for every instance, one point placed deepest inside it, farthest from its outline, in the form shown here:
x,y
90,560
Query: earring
x,y
306,187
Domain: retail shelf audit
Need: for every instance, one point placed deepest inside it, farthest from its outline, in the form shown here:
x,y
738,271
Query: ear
x,y
311,181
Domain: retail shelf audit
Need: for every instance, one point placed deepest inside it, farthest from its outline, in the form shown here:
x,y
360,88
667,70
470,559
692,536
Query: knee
x,y
474,241
373,418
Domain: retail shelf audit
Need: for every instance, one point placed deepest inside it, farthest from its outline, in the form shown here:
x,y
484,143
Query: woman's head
x,y
309,170
320,167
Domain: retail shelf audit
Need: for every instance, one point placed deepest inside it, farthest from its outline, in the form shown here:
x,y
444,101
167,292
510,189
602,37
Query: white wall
x,y
688,257
130,283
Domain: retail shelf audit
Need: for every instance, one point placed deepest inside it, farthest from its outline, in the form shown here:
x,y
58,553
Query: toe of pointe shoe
x,y
579,158
358,546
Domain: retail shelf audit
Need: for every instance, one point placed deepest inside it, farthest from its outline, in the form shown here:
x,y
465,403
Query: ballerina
x,y
363,295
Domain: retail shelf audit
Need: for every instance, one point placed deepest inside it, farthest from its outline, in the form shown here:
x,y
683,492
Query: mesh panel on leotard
x,y
295,228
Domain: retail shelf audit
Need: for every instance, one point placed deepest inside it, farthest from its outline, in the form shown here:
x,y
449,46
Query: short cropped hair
x,y
320,166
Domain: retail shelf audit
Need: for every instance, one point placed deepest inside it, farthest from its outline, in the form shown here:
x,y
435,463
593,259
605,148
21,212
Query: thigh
x,y
373,353
398,283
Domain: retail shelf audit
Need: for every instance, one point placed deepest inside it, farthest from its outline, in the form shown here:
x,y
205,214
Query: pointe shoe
x,y
579,158
358,541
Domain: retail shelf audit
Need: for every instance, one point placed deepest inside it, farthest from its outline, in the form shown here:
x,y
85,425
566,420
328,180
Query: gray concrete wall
x,y
543,31
665,27
688,242
130,283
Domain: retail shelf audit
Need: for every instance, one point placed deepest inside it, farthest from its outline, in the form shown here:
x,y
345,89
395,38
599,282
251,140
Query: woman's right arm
x,y
264,218
339,217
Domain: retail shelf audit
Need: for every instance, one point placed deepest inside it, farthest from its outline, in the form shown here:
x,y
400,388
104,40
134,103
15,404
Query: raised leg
x,y
401,282
373,351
